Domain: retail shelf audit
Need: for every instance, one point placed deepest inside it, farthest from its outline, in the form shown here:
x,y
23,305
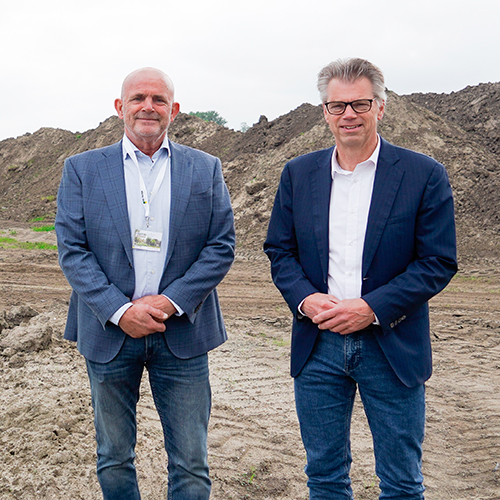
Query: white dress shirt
x,y
148,265
350,200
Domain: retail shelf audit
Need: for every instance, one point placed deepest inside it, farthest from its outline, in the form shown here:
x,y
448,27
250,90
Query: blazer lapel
x,y
181,168
110,169
321,183
386,185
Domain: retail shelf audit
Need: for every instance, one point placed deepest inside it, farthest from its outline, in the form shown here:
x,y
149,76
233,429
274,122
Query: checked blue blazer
x,y
95,250
409,253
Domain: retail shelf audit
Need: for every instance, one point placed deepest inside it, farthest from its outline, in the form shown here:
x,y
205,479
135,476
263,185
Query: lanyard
x,y
146,200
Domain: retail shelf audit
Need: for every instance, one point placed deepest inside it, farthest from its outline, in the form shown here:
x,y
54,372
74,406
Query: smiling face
x,y
355,133
147,108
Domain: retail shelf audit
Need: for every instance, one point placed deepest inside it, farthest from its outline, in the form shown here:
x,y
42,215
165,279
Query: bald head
x,y
147,108
140,74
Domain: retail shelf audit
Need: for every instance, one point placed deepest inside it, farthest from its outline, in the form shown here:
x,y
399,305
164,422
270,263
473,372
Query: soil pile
x,y
476,109
30,166
46,434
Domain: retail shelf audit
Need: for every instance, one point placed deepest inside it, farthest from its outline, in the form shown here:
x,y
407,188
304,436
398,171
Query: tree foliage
x,y
210,116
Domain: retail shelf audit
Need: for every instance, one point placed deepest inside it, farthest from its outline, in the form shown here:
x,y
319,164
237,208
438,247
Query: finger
x,y
157,314
324,316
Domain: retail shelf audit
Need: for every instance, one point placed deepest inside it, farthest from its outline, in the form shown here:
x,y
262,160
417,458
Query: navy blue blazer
x,y
409,252
95,250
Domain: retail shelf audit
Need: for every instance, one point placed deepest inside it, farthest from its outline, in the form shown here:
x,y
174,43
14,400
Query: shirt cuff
x,y
299,308
179,310
115,319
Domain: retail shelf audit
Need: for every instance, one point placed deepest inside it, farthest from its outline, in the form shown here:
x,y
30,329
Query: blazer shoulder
x,y
192,152
95,154
408,156
308,161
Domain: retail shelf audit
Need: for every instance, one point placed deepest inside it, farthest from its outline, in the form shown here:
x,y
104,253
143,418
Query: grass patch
x,y
42,218
41,229
281,342
25,245
248,477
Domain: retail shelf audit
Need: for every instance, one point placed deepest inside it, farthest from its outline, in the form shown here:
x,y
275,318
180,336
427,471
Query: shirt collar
x,y
373,160
129,148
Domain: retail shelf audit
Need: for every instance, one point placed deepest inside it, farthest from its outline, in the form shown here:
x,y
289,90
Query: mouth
x,y
147,121
351,127
147,116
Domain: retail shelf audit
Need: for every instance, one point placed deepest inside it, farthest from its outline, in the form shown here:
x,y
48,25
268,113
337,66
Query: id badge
x,y
147,240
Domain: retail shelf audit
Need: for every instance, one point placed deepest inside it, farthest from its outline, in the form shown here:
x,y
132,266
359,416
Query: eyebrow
x,y
140,95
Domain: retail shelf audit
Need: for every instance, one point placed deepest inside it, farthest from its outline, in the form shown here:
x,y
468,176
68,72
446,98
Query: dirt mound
x,y
30,166
476,109
46,433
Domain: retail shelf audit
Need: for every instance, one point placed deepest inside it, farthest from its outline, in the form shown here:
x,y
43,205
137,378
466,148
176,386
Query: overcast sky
x,y
63,61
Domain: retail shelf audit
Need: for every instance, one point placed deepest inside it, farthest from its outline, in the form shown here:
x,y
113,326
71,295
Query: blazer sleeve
x,y
78,262
282,248
434,261
216,256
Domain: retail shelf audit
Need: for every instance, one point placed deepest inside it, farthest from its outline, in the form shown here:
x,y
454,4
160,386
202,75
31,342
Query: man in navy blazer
x,y
145,233
360,238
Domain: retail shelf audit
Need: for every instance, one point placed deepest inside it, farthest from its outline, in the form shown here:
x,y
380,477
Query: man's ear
x,y
381,110
119,108
176,107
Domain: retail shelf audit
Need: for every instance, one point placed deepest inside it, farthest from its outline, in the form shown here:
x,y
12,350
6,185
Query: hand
x,y
318,302
159,302
347,316
141,320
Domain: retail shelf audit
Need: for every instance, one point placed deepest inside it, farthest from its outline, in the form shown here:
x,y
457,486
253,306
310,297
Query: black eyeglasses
x,y
339,107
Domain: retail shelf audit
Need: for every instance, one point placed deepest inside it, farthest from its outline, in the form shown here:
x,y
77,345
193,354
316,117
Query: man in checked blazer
x,y
145,233
360,238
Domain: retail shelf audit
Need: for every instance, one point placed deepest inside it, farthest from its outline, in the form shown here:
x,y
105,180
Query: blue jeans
x,y
181,392
324,393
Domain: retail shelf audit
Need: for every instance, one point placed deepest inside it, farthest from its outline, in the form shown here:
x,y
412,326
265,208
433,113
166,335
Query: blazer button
x,y
392,325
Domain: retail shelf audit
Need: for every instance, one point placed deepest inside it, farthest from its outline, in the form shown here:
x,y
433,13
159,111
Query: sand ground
x,y
46,434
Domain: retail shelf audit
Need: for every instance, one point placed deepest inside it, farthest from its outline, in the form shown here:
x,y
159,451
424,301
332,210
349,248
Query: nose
x,y
349,112
147,104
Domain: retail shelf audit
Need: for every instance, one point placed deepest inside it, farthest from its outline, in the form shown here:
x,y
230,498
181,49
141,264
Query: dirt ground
x,y
46,434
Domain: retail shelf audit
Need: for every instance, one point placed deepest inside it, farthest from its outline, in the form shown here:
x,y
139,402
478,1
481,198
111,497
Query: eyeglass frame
x,y
349,104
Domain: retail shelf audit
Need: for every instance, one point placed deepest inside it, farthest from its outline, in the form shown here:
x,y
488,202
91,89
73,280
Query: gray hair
x,y
350,70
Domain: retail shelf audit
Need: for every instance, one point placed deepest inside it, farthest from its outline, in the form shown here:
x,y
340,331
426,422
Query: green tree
x,y
210,116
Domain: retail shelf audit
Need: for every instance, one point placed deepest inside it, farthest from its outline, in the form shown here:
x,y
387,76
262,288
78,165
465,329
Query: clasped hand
x,y
146,316
341,316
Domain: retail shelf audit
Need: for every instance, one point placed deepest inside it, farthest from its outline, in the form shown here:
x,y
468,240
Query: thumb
x,y
157,314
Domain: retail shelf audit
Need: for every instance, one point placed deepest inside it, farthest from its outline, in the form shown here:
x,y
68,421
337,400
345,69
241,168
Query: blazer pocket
x,y
201,189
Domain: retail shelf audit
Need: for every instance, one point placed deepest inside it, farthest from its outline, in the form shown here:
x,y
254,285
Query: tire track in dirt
x,y
255,451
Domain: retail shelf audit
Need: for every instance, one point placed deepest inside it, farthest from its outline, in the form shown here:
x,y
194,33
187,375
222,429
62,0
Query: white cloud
x,y
63,63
